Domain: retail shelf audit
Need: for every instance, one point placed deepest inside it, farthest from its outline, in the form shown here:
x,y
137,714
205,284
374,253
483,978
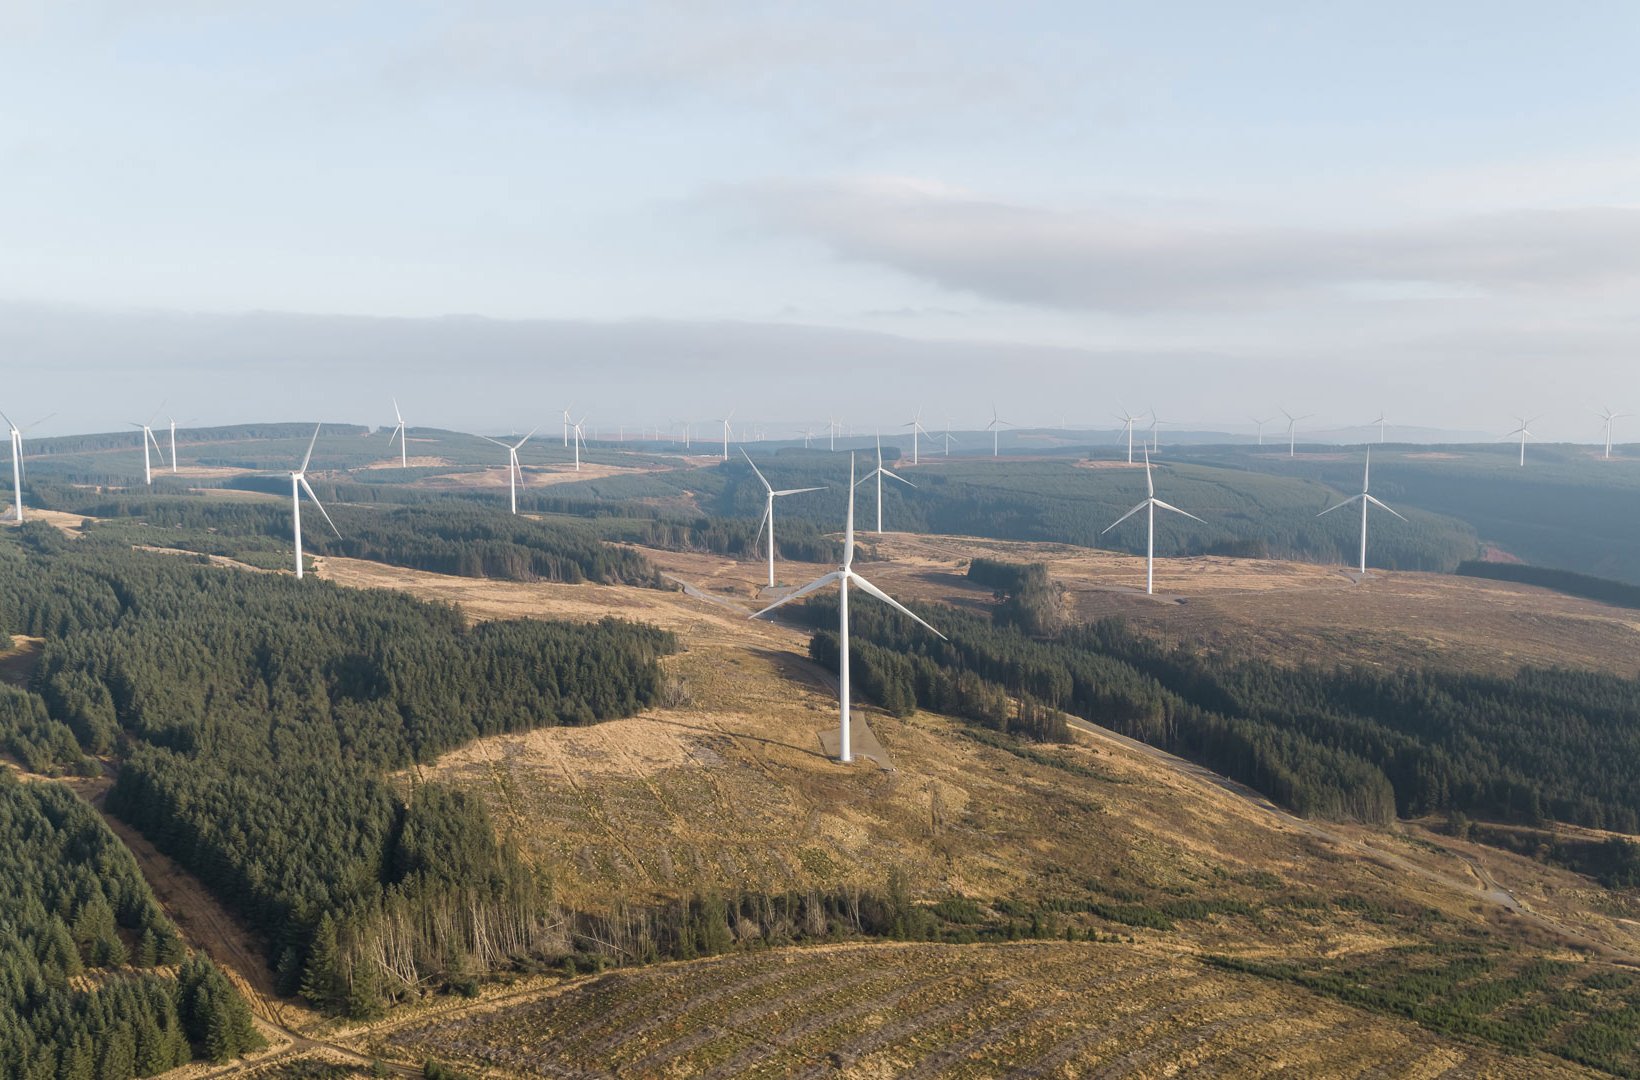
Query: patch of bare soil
x,y
17,662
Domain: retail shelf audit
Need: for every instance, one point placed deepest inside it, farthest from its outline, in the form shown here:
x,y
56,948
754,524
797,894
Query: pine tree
x,y
321,979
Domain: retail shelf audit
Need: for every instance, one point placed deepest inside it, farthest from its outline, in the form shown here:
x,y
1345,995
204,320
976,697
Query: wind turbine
x,y
768,507
1150,504
995,428
1380,423
833,424
1366,499
1524,435
947,438
148,439
1155,422
915,425
879,472
1292,427
399,434
842,576
174,444
299,484
1128,420
1261,424
727,431
580,441
515,471
1608,416
566,430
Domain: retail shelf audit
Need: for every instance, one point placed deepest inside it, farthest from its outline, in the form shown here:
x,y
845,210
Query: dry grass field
x,y
897,1010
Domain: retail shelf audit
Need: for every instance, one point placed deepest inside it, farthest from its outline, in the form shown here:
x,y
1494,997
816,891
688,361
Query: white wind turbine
x,y
1380,422
727,431
1292,429
768,507
580,438
1260,427
1524,435
1150,504
832,424
1607,417
148,439
174,443
1128,420
515,471
879,472
947,438
299,484
995,428
399,434
566,431
915,425
842,576
1155,423
1366,499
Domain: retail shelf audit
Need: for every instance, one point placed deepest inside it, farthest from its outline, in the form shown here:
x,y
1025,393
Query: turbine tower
x,y
148,439
579,435
1292,428
879,472
832,424
515,471
1607,417
1380,423
995,428
1524,435
1366,499
1128,420
1260,427
915,425
16,467
842,576
1155,422
566,430
770,495
1150,504
399,434
299,484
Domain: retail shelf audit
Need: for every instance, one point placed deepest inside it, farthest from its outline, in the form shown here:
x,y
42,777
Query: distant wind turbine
x,y
1150,504
148,439
1260,428
1607,418
578,439
174,442
727,431
399,434
1524,435
299,484
879,472
1292,428
1380,423
1128,420
17,468
1155,422
770,495
995,428
566,430
947,438
1366,499
842,576
515,471
915,424
833,424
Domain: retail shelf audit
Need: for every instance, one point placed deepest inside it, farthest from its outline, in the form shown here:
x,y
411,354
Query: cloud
x,y
1120,263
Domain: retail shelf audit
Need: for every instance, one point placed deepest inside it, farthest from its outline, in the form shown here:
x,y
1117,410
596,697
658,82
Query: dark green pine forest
x,y
256,720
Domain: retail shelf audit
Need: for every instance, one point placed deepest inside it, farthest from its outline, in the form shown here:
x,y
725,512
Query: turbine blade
x,y
766,485
1176,510
891,602
1346,502
321,506
797,491
1383,506
309,456
1125,516
768,508
901,479
527,438
817,583
498,442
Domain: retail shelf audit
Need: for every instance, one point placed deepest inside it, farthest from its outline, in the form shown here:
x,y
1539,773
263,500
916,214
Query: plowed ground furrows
x,y
1036,1009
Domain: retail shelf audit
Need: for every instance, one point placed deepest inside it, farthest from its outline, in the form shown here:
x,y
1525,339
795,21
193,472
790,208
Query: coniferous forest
x,y
1340,742
256,720
94,981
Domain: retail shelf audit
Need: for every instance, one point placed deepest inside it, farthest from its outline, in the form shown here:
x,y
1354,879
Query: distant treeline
x,y
449,537
258,718
1543,744
82,993
1616,593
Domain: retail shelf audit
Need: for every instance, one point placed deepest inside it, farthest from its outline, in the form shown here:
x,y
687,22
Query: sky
x,y
647,210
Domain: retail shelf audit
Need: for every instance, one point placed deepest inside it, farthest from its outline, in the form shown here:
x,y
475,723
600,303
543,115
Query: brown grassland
x,y
728,790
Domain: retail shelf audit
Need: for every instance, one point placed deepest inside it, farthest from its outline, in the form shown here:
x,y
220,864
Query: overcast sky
x,y
1210,209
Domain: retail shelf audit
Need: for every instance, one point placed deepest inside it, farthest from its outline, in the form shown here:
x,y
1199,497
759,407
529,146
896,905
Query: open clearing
x,y
1016,1010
